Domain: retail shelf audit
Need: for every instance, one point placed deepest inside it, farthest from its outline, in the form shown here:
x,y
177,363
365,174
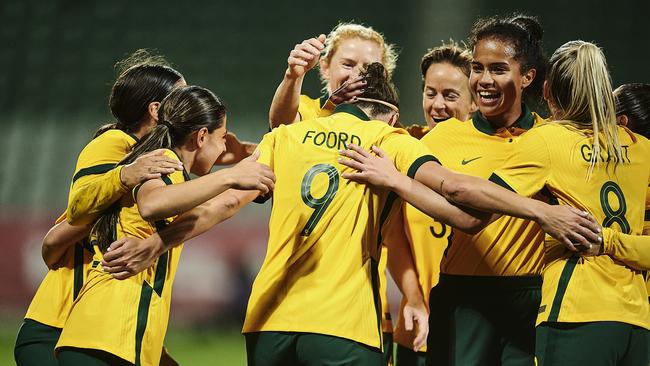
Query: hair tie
x,y
371,100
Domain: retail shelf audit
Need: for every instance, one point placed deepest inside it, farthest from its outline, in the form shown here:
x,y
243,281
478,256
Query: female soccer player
x,y
584,160
124,322
445,77
143,82
348,49
315,297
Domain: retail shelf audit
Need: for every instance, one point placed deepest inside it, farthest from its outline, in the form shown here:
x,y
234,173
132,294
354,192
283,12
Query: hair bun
x,y
530,24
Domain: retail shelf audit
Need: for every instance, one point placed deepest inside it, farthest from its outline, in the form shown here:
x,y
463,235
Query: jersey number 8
x,y
614,216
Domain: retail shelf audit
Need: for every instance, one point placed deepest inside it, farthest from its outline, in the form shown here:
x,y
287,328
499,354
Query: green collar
x,y
353,110
323,99
525,121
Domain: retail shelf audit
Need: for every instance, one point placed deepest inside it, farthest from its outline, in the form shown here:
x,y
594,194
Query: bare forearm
x,y
175,199
60,237
284,107
203,217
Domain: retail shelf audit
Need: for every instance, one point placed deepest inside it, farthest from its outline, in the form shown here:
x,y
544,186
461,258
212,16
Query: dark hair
x,y
633,101
184,111
143,78
378,86
449,52
524,33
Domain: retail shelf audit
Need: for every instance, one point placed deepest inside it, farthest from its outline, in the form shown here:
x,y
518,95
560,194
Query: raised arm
x,y
129,256
303,57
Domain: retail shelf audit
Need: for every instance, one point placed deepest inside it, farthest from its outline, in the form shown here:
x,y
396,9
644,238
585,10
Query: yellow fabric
x,y
311,108
386,320
427,239
556,157
321,281
92,193
107,312
507,247
53,299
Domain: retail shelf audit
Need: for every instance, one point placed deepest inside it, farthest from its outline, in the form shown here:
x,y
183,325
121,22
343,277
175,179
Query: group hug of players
x,y
514,239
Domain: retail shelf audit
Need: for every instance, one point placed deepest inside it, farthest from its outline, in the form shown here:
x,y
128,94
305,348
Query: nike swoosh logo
x,y
465,162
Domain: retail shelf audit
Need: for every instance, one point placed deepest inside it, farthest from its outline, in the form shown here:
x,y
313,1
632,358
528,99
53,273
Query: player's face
x,y
446,94
351,56
213,146
496,80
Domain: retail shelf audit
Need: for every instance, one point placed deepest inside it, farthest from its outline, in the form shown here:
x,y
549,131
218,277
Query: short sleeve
x,y
266,148
528,169
407,152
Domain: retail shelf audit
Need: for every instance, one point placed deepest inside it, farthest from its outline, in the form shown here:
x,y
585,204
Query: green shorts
x,y
408,357
308,349
35,344
483,320
593,344
70,356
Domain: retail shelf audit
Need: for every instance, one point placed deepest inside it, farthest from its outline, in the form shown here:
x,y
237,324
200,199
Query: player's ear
x,y
393,119
152,110
622,120
201,136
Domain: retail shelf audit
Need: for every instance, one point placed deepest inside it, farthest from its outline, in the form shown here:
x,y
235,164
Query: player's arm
x,y
97,187
402,269
564,223
157,200
236,150
61,237
633,250
129,256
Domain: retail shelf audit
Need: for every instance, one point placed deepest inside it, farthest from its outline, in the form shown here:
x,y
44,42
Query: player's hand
x,y
348,91
129,256
148,166
236,150
251,175
305,56
376,170
577,230
416,318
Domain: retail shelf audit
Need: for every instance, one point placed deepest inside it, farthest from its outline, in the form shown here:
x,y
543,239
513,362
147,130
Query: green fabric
x,y
388,351
69,356
480,320
525,121
307,349
353,110
407,357
35,344
593,344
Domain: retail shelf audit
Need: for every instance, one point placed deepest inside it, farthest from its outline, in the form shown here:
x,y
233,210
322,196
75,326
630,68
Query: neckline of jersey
x,y
525,121
353,110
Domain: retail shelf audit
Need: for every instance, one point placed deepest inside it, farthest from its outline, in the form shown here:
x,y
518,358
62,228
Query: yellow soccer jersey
x,y
386,318
509,246
427,239
313,108
126,318
320,271
94,183
555,157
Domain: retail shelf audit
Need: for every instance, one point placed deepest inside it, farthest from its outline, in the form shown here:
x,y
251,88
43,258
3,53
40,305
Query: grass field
x,y
188,346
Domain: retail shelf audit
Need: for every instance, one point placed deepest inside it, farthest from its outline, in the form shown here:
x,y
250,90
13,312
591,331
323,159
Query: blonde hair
x,y
345,31
581,89
451,52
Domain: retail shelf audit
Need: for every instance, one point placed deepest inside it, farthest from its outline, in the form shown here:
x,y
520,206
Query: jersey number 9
x,y
318,204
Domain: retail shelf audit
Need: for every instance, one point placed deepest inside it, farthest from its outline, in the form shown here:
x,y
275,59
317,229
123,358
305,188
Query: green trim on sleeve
x,y
413,169
499,181
647,215
96,169
167,180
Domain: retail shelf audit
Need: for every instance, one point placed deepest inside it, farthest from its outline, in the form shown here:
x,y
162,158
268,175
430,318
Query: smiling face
x,y
351,56
446,94
497,82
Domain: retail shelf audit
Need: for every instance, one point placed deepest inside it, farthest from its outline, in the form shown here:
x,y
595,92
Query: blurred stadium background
x,y
57,62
